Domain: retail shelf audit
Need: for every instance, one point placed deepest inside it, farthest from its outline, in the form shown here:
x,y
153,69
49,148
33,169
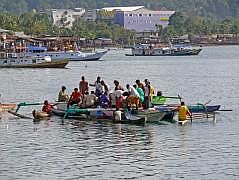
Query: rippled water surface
x,y
92,150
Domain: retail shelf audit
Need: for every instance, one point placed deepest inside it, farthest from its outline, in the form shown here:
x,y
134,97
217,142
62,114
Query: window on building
x,y
130,15
149,14
140,14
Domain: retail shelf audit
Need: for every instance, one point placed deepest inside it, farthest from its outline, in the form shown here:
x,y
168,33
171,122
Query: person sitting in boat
x,y
133,96
91,100
183,112
118,86
63,96
83,85
104,100
76,97
98,87
47,107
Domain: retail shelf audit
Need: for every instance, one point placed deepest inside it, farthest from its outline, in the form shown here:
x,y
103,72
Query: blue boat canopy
x,y
36,49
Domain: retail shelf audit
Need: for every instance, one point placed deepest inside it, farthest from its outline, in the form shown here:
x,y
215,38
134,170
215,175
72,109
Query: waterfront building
x,y
65,17
142,19
107,14
90,15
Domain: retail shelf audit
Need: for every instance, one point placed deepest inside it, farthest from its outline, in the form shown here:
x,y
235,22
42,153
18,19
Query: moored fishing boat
x,y
149,50
59,55
14,60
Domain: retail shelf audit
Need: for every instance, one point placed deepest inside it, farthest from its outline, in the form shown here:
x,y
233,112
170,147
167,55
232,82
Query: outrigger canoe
x,y
98,114
149,115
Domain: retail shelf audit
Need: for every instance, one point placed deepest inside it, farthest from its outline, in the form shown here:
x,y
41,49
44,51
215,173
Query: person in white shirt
x,y
133,96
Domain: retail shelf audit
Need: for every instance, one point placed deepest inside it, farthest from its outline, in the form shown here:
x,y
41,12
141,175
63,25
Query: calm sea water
x,y
91,150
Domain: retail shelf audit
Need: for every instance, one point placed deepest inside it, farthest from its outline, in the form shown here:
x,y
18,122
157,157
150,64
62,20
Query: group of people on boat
x,y
135,96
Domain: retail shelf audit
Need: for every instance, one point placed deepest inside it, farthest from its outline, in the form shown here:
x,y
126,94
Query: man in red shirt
x,y
47,107
76,97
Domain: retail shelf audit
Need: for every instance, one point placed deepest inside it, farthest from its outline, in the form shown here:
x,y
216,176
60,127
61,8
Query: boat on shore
x,y
15,60
149,50
58,55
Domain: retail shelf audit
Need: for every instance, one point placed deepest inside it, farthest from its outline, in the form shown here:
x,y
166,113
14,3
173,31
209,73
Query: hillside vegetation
x,y
219,9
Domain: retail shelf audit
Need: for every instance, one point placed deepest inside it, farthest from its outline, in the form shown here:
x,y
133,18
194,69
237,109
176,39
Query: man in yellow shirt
x,y
183,112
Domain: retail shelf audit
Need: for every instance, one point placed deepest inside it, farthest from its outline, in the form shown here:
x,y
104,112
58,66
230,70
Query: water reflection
x,y
93,150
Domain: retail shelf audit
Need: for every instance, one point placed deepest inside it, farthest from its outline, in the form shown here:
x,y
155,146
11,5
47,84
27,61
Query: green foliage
x,y
219,9
198,25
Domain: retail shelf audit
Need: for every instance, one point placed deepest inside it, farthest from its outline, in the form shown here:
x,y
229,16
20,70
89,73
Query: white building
x,y
65,17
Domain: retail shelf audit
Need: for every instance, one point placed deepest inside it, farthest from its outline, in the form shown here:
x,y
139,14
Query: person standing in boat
x,y
139,84
118,94
98,87
105,87
183,112
148,93
83,86
141,94
133,96
63,96
76,97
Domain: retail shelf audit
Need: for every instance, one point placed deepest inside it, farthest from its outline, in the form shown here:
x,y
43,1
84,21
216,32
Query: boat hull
x,y
193,52
52,64
198,108
103,115
88,57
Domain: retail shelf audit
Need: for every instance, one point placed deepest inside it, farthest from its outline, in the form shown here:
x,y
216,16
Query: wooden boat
x,y
193,108
98,114
150,115
14,60
197,108
7,107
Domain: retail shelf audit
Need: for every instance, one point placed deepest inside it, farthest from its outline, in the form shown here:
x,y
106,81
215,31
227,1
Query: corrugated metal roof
x,y
129,8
